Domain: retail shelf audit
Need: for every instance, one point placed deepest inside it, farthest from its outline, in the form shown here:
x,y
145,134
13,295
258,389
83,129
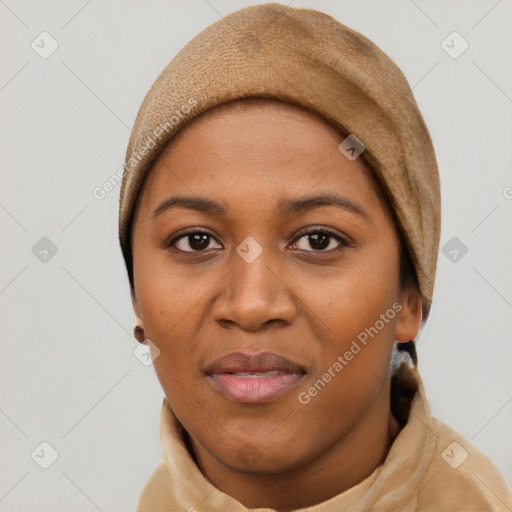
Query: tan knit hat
x,y
308,58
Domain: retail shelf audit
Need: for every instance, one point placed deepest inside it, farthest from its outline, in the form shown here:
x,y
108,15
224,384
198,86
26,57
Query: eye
x,y
321,240
192,241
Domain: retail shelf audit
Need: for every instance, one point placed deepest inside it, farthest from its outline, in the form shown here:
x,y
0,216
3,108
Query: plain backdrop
x,y
68,374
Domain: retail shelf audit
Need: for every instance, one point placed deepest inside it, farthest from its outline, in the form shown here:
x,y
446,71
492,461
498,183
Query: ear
x,y
409,318
138,331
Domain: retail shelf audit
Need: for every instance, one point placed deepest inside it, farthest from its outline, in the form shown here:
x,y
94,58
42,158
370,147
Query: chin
x,y
260,455
249,460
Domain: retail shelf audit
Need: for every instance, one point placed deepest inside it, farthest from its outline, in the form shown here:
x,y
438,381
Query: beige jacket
x,y
429,467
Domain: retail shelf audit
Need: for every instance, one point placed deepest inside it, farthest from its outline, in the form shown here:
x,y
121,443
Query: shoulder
x,y
461,477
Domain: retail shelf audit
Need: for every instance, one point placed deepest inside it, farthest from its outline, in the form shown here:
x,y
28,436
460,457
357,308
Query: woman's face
x,y
251,269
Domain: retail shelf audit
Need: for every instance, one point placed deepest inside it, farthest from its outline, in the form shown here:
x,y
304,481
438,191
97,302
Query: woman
x,y
280,222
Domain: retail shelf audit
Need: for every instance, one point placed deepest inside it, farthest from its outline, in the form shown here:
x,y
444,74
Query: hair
x,y
407,273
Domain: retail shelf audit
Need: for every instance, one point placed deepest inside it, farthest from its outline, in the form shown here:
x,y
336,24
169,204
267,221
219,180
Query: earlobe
x,y
138,331
409,319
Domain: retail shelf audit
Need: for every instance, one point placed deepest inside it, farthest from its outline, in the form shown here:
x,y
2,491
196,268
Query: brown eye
x,y
196,241
320,241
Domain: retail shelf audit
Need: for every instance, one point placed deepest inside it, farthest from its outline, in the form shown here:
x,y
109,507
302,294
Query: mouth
x,y
253,379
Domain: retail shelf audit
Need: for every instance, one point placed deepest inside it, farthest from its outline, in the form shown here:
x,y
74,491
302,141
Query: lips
x,y
253,379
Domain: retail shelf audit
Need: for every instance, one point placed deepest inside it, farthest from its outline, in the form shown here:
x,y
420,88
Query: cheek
x,y
355,311
350,299
175,308
166,295
172,315
166,303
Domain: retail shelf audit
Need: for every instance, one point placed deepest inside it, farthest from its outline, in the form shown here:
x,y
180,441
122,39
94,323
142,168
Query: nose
x,y
254,296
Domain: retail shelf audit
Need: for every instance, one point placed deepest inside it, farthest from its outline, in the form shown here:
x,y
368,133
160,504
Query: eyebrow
x,y
286,207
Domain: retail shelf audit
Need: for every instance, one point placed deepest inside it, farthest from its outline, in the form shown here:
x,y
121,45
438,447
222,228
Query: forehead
x,y
255,151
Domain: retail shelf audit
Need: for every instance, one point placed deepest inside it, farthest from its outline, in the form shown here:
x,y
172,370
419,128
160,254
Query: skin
x,y
303,300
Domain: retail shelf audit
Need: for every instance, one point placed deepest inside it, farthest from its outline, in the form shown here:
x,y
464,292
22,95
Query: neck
x,y
342,465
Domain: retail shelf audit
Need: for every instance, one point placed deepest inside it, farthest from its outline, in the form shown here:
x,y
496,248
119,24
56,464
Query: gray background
x,y
68,373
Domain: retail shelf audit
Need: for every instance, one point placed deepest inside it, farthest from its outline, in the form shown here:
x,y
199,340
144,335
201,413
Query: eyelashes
x,y
324,233
199,235
199,240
